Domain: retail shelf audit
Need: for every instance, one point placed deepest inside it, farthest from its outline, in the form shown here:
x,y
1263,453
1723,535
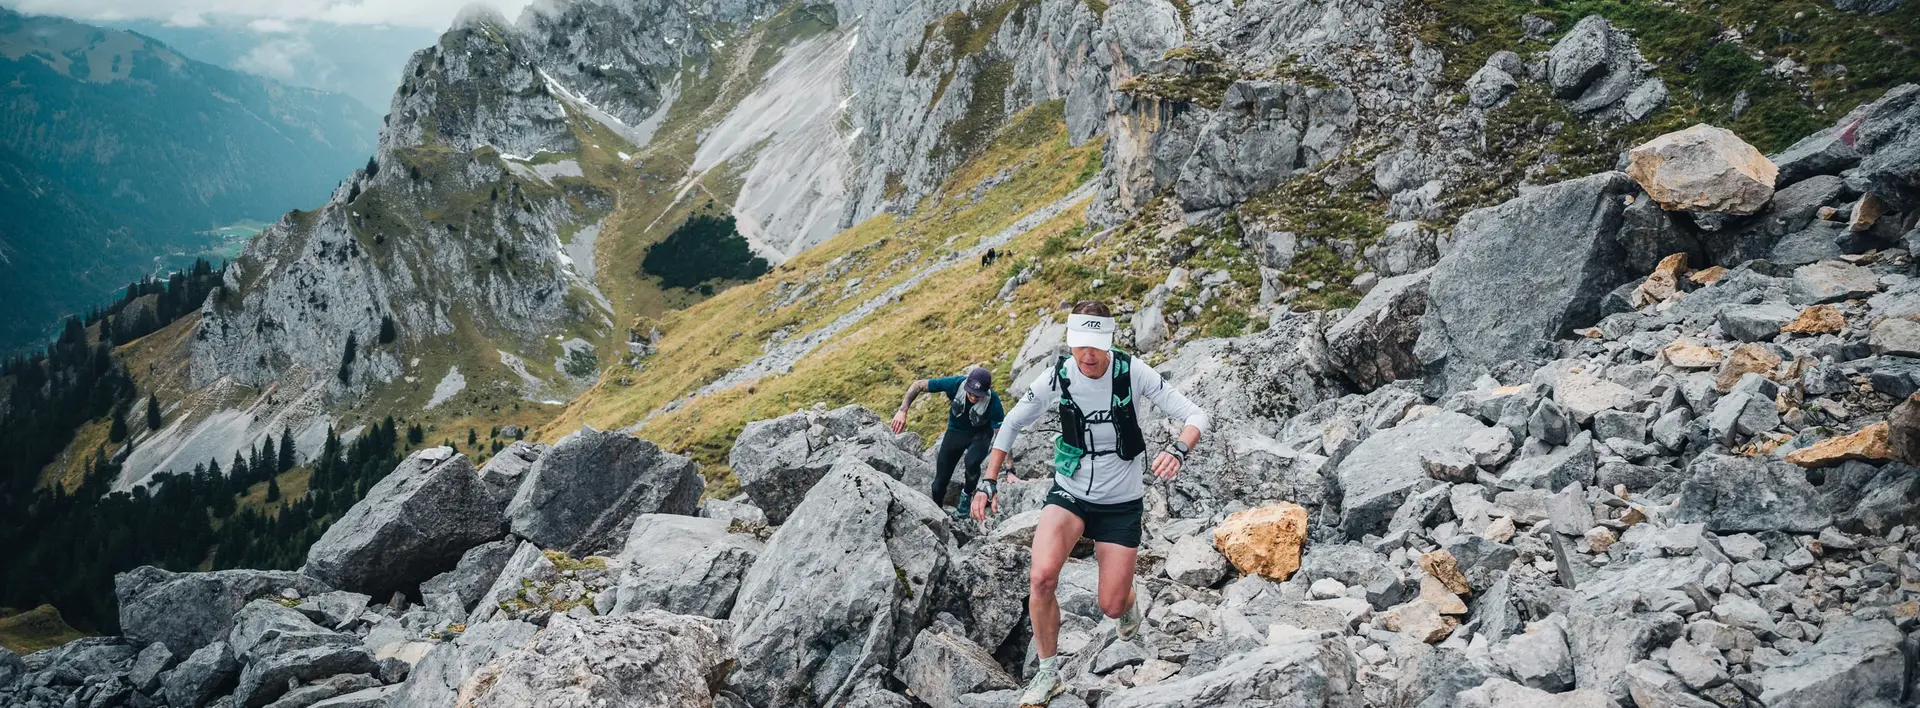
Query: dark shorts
x,y
1106,523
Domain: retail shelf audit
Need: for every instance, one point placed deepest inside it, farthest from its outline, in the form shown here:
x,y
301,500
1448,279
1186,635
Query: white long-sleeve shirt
x,y
1102,479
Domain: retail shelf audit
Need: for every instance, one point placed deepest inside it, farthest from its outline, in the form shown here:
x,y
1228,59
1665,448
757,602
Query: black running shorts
x,y
1106,523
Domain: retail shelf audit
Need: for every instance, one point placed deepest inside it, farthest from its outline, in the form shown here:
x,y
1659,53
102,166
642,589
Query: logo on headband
x,y
1091,324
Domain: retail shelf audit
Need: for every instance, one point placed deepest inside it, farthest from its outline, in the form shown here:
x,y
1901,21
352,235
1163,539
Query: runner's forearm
x,y
913,391
994,460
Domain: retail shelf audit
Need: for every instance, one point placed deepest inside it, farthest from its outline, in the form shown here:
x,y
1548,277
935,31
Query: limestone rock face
x,y
1266,540
943,667
1263,132
846,583
413,524
1704,169
582,496
648,659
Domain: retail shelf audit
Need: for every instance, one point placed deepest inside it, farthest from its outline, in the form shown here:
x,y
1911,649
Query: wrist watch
x,y
989,487
1179,450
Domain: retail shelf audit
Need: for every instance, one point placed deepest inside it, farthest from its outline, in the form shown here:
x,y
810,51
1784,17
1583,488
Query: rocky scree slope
x,y
1704,498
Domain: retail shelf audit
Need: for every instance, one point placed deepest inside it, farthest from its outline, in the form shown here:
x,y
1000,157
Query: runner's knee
x,y
1043,582
1112,604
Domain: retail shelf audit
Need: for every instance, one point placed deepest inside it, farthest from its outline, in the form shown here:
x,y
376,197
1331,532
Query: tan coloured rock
x,y
1688,354
1707,275
1819,319
1600,538
1500,531
1420,620
1265,540
1435,593
1441,566
1662,283
1866,212
1869,443
1827,213
1704,169
1752,357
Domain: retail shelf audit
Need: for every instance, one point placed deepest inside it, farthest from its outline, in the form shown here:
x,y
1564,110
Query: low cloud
x,y
428,14
278,58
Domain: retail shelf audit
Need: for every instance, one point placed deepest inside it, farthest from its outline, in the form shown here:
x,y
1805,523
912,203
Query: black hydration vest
x,y
1074,429
959,409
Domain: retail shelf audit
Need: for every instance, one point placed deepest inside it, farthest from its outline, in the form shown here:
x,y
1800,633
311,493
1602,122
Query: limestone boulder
x,y
779,460
1703,169
413,524
1743,494
1373,344
582,496
846,583
1386,469
437,679
1869,443
944,666
1313,670
684,565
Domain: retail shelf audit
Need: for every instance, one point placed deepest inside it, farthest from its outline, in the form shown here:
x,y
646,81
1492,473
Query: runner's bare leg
x,y
1059,529
1116,576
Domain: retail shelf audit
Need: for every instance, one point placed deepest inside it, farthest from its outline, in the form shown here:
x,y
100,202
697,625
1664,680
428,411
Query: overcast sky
x,y
427,14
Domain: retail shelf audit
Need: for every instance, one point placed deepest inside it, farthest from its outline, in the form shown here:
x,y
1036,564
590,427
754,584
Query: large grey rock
x,y
1855,663
1604,645
209,672
191,610
454,592
1538,658
436,680
1555,470
413,524
144,675
11,667
1742,494
1312,671
1263,133
582,496
1373,344
1386,469
1525,273
1489,86
335,610
684,565
1832,281
1195,562
376,697
1501,693
264,628
779,460
1595,66
641,660
986,588
504,472
942,667
265,680
845,584
1756,323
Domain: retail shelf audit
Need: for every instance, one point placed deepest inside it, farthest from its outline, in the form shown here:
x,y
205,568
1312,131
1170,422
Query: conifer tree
x,y
153,412
118,430
286,449
273,489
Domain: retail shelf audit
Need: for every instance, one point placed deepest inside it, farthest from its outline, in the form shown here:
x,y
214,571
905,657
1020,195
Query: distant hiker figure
x,y
973,416
1099,460
987,259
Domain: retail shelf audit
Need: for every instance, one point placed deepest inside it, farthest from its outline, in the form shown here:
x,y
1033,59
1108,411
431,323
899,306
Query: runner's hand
x,y
899,422
981,502
1165,466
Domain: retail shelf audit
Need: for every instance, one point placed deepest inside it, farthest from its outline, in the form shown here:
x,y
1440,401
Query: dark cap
x,y
979,381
